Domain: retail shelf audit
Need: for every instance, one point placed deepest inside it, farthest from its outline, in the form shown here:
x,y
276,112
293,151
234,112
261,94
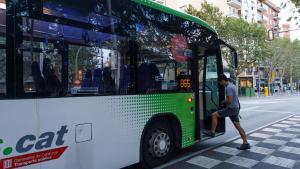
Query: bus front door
x,y
209,94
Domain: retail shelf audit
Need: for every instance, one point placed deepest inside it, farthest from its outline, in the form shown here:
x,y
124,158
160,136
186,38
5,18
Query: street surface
x,y
257,114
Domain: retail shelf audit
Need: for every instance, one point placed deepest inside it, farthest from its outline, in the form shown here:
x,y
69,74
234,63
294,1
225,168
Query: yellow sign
x,y
272,77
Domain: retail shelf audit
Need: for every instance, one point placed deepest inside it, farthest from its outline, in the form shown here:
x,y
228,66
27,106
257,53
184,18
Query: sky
x,y
284,15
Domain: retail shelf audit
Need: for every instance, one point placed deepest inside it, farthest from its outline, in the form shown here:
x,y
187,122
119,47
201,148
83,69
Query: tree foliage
x,y
295,10
248,38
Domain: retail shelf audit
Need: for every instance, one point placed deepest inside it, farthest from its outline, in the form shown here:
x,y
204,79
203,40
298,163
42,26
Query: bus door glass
x,y
210,93
211,85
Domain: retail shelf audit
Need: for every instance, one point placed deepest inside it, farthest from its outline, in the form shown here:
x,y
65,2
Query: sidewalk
x,y
274,147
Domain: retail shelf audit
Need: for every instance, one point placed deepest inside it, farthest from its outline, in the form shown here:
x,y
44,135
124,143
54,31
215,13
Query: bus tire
x,y
158,144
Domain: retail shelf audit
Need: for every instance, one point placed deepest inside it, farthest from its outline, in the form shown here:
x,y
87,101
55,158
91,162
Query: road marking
x,y
212,147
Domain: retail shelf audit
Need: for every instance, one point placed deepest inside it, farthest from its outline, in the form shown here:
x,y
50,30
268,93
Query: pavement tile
x,y
274,147
252,155
294,119
279,161
295,140
261,150
296,126
255,138
267,166
184,165
274,130
274,141
268,145
286,155
280,138
288,135
260,135
297,165
292,144
216,155
227,150
251,142
288,149
228,166
293,130
232,144
242,161
281,125
288,122
204,162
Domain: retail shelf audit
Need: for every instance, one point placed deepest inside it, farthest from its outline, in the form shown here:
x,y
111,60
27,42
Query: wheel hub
x,y
159,144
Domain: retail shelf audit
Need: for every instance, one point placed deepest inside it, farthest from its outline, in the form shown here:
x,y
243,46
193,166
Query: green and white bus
x,y
102,84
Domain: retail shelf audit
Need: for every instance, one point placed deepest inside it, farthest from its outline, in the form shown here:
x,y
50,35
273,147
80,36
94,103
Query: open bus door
x,y
209,66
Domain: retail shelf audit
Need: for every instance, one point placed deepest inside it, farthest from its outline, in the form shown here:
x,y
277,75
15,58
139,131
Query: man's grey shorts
x,y
232,113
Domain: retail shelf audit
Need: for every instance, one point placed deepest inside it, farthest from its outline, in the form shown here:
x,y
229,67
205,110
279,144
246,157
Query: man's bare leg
x,y
214,122
243,135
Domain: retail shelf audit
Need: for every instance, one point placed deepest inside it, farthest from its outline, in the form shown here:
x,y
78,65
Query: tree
x,y
296,2
208,13
248,38
295,10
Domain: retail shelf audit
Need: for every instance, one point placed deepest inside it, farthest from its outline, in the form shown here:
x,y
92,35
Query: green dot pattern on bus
x,y
7,150
133,112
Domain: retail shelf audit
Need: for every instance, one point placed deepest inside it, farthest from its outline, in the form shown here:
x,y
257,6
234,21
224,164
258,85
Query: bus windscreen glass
x,y
92,11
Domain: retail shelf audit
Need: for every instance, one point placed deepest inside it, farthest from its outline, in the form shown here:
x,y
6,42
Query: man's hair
x,y
222,77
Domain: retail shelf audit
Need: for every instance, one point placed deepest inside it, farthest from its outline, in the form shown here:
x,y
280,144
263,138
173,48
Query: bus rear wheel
x,y
158,144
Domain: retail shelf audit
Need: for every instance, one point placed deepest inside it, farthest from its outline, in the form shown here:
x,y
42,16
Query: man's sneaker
x,y
244,147
209,133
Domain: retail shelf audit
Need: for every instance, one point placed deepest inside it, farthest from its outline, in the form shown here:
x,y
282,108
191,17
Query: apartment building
x,y
181,5
268,14
285,28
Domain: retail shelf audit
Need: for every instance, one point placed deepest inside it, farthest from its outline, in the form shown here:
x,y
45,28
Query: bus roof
x,y
168,10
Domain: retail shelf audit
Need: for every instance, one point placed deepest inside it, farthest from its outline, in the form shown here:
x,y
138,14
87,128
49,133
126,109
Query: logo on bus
x,y
31,142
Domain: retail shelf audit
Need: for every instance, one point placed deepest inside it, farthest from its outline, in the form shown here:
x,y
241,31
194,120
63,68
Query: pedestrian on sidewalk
x,y
231,110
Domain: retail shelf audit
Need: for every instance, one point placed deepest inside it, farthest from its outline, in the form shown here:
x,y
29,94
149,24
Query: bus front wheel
x,y
158,145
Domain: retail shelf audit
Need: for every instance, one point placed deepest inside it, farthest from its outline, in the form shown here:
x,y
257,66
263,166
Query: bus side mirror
x,y
234,57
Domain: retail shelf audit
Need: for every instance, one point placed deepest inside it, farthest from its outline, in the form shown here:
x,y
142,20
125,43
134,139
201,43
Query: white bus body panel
x,y
113,145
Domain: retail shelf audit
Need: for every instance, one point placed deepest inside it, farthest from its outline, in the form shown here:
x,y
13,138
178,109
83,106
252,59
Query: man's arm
x,y
229,96
229,100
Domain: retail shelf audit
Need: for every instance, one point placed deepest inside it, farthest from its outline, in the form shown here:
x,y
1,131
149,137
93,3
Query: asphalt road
x,y
256,113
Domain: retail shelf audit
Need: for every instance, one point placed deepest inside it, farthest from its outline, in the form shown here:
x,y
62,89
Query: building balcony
x,y
234,15
276,17
261,7
235,3
262,19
